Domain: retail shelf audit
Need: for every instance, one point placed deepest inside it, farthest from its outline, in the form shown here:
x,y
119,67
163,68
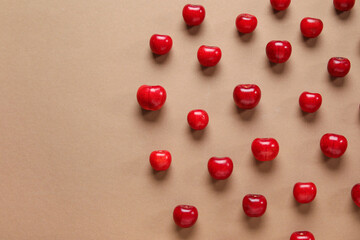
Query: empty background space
x,y
74,143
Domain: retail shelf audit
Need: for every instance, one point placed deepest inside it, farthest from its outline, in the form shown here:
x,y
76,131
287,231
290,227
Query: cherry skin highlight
x,y
310,102
302,235
280,5
254,205
247,96
265,149
333,145
160,160
198,119
220,168
160,44
311,27
193,14
246,23
344,5
355,194
338,66
185,216
278,51
304,192
209,56
151,97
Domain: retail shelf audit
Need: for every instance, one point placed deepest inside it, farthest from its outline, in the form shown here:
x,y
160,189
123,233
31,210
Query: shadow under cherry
x,y
332,163
246,114
303,208
185,233
219,185
151,116
264,167
308,117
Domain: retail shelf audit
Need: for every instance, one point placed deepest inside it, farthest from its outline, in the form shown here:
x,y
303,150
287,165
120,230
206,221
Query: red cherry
x,y
302,235
151,97
278,51
193,14
160,44
247,96
220,168
310,102
209,56
254,205
265,149
246,23
338,66
304,192
280,5
185,215
344,5
160,160
198,119
311,27
355,194
333,145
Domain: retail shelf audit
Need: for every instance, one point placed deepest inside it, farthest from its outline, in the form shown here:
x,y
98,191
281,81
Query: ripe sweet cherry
x,y
160,160
193,14
338,66
254,205
311,27
185,216
310,102
333,145
265,149
246,23
302,235
220,168
247,96
160,44
209,56
278,51
198,119
355,194
280,5
344,5
151,97
304,192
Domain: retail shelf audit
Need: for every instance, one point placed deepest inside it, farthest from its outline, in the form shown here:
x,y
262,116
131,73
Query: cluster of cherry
x,y
247,96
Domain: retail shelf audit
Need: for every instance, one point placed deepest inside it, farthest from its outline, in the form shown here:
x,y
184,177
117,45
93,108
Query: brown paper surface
x,y
74,144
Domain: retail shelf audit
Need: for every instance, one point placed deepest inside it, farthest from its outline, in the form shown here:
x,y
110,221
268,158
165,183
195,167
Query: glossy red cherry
x,y
311,27
278,51
160,160
220,168
310,102
151,97
304,192
247,96
333,145
338,66
246,23
355,194
209,56
254,205
265,149
198,119
280,5
193,14
185,216
160,44
302,235
344,5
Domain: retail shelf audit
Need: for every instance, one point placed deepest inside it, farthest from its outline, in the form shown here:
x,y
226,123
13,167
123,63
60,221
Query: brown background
x,y
74,144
